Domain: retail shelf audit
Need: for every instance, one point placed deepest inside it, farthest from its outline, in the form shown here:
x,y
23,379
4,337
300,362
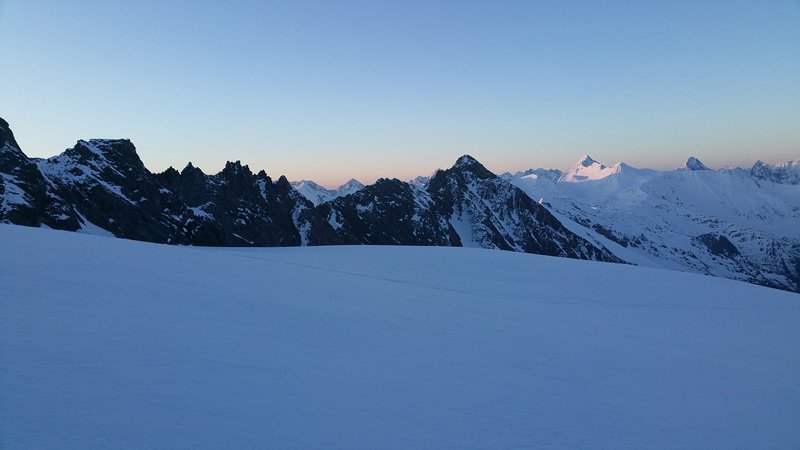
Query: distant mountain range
x,y
317,194
735,223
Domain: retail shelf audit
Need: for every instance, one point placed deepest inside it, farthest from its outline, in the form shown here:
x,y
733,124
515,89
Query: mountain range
x,y
736,223
101,186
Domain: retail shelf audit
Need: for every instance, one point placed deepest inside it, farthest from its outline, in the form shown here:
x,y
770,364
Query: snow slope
x,y
109,343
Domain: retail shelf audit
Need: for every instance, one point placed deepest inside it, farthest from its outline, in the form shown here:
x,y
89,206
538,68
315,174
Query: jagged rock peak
x,y
235,165
191,169
695,164
171,171
236,169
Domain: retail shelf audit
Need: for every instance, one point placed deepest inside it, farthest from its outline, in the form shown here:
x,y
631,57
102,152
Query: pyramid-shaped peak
x,y
351,185
352,182
471,165
695,164
586,169
191,169
466,160
586,161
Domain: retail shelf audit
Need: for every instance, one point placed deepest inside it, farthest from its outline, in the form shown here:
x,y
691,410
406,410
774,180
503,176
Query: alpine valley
x,y
736,223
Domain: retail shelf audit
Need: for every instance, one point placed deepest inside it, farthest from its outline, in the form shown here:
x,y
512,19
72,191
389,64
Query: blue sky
x,y
330,90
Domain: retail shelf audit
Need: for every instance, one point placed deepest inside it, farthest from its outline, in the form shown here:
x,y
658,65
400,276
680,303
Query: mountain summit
x,y
584,170
695,164
586,161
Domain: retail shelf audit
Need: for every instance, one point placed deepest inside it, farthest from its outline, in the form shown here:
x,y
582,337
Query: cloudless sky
x,y
328,90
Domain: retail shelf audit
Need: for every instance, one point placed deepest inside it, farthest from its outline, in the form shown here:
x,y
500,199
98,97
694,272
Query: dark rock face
x,y
718,245
389,212
27,198
103,183
695,164
107,185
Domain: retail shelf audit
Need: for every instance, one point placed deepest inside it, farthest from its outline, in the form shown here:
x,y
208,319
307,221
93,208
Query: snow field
x,y
109,343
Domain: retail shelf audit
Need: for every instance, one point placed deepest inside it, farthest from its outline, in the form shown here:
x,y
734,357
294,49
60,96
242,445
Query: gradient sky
x,y
330,90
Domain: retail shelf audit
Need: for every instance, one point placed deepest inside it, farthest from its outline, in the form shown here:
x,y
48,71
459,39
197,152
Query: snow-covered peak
x,y
695,164
586,161
318,194
315,193
586,169
349,187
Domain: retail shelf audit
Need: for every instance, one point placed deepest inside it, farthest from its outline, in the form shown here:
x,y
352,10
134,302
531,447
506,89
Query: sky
x,y
329,90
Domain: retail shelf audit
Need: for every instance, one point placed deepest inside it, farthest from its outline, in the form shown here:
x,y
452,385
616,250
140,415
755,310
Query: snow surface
x,y
463,227
109,343
88,227
198,211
